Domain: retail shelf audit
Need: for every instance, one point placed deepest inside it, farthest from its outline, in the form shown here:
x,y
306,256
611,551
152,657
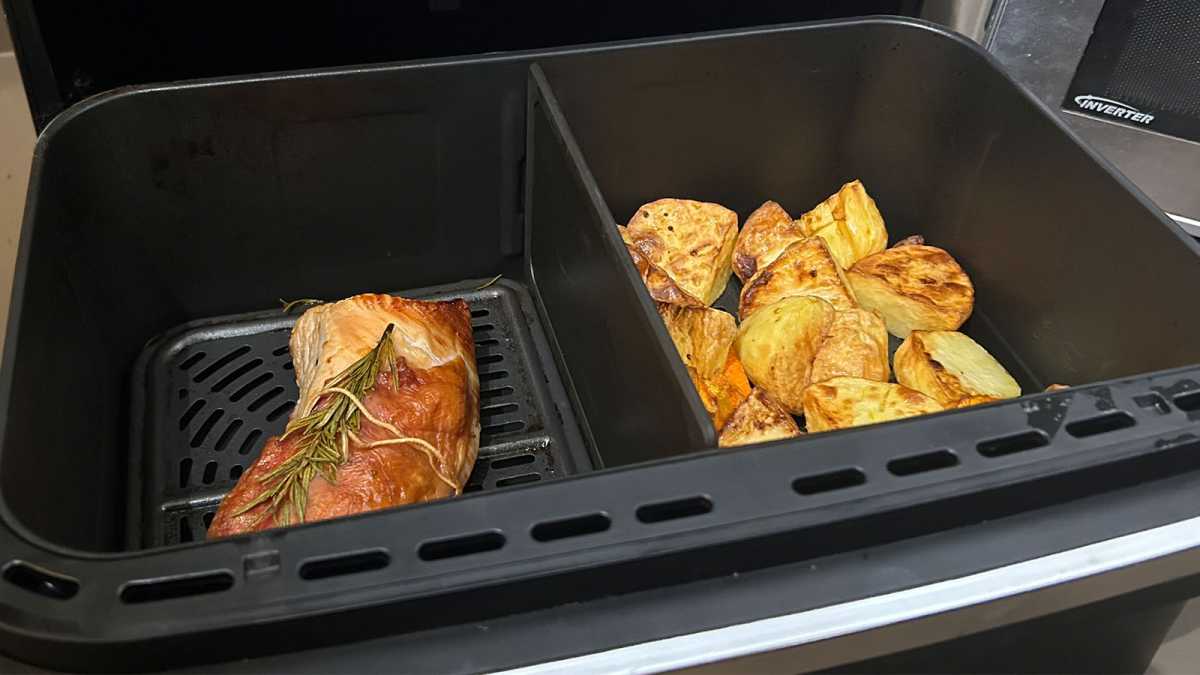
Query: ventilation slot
x,y
483,328
1189,402
498,410
479,313
571,527
185,530
227,435
460,546
1009,445
264,399
829,482
250,442
1154,402
351,563
494,375
279,351
220,363
507,427
489,358
1101,424
191,361
518,480
189,414
208,518
235,472
515,460
136,592
675,509
40,581
198,437
185,471
250,386
210,473
929,461
237,374
495,393
281,411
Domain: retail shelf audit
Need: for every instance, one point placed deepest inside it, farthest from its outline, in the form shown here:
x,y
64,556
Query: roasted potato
x,y
850,224
757,420
767,232
949,367
682,249
778,343
804,268
704,338
914,287
856,345
853,401
972,401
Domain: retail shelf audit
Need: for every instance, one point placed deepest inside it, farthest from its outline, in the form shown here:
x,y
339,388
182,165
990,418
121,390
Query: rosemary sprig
x,y
289,305
324,437
489,282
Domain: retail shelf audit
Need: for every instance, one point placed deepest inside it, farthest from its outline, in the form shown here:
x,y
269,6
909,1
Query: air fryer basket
x,y
154,210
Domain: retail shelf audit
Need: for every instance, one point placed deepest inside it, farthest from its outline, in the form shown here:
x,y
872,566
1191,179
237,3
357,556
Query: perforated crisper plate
x,y
216,389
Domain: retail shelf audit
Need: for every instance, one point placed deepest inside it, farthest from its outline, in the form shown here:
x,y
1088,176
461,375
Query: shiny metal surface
x,y
1040,43
922,615
969,17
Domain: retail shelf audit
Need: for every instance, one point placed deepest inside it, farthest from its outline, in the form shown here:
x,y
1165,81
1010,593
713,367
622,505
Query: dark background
x,y
70,49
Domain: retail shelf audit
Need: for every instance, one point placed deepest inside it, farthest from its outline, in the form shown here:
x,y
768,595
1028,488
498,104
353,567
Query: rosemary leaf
x,y
289,305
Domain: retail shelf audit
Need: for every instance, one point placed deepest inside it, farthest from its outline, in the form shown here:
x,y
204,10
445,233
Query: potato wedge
x,y
777,346
914,287
757,420
949,366
804,268
844,402
704,338
850,224
767,232
856,345
682,249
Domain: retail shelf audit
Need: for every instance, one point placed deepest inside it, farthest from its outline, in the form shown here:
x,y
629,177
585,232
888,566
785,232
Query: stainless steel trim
x,y
790,631
1189,225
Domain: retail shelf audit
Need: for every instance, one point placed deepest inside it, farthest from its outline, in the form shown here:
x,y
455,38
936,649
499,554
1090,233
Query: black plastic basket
x,y
160,207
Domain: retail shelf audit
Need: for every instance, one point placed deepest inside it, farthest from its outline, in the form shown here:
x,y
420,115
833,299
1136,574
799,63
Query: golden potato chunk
x,y
804,268
853,401
850,224
914,287
682,249
856,345
777,346
704,338
757,420
950,366
767,232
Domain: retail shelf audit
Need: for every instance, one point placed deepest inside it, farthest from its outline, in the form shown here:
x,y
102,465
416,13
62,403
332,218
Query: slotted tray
x,y
212,391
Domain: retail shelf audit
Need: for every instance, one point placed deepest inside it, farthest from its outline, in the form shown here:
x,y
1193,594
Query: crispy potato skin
x,y
683,249
949,366
805,268
850,224
844,402
704,339
778,344
914,287
757,420
767,232
856,345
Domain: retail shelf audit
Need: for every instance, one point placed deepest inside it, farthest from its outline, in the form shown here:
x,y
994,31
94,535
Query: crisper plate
x,y
216,389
